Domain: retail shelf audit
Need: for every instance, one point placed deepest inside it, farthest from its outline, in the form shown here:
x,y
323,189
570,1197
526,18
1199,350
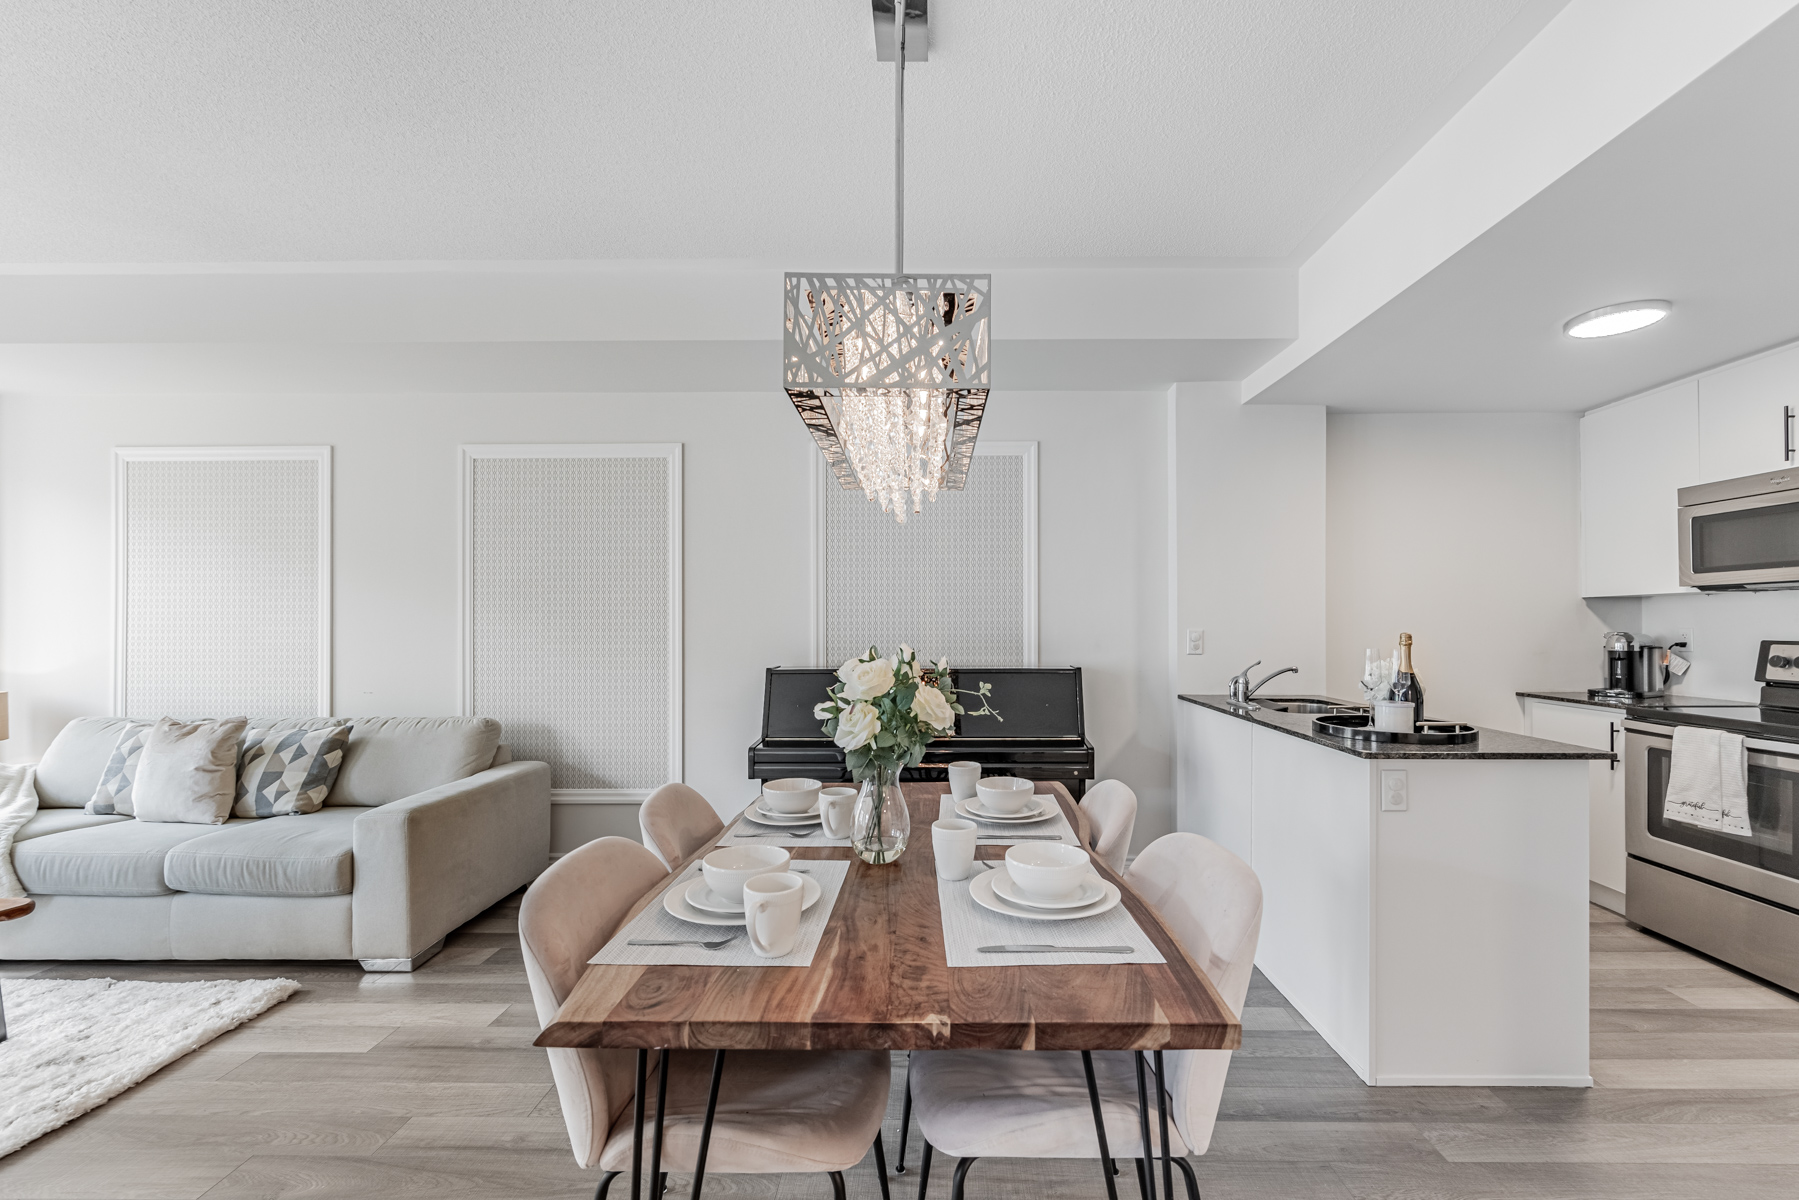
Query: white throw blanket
x,y
18,804
1708,782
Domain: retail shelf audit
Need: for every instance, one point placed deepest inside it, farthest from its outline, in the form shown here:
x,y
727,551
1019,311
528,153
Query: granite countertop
x,y
1673,701
1493,743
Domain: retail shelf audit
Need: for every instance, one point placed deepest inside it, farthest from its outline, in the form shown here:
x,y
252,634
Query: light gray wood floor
x,y
427,1085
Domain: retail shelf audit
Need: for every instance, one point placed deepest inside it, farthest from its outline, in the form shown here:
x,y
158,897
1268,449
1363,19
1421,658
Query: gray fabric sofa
x,y
429,823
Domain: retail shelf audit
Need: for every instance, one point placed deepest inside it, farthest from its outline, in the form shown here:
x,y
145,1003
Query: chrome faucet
x,y
1242,690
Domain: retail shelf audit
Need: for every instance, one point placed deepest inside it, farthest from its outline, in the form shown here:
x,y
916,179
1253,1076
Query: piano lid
x,y
1034,703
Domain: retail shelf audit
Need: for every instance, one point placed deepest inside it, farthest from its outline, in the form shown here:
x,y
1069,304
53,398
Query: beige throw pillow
x,y
188,771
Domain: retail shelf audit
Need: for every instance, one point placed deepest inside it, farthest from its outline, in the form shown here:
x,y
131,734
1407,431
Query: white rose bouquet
x,y
885,711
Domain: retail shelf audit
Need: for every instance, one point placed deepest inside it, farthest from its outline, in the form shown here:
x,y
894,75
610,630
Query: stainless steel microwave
x,y
1741,533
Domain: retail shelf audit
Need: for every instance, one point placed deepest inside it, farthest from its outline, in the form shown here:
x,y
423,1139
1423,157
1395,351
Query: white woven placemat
x,y
966,925
745,832
655,923
997,833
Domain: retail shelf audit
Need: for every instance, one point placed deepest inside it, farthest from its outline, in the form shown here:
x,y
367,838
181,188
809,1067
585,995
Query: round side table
x,y
10,910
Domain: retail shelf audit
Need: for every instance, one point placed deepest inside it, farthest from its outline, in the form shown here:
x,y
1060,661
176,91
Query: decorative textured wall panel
x,y
223,582
574,610
959,579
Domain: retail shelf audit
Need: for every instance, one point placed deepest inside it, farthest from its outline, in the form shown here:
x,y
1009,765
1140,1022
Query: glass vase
x,y
881,825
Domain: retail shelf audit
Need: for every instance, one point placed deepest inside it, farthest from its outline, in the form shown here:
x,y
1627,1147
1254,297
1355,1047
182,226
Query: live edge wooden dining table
x,y
880,981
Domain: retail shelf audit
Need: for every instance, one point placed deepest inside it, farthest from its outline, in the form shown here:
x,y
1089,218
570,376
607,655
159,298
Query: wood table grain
x,y
880,981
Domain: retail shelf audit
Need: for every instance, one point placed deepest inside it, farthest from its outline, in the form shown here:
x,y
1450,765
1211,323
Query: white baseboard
x,y
1568,1081
598,795
1605,897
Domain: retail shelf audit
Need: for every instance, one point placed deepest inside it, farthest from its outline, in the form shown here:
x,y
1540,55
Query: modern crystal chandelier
x,y
889,372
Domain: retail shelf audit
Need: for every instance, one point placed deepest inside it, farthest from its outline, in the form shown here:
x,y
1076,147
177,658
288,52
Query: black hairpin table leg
x,y
657,1179
643,1058
1149,1151
1099,1126
1162,1114
699,1165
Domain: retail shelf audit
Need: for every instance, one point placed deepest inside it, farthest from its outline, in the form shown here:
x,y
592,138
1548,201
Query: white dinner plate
x,y
1008,890
981,889
1043,811
674,902
769,816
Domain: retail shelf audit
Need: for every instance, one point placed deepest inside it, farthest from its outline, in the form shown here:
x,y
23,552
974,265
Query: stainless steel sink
x,y
1306,704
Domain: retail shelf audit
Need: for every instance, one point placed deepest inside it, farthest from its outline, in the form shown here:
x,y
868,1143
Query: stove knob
x,y
1779,661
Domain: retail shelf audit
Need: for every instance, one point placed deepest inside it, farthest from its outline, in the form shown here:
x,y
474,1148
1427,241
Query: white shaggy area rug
x,y
74,1044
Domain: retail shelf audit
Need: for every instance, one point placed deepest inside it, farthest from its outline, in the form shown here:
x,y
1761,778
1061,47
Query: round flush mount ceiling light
x,y
1617,318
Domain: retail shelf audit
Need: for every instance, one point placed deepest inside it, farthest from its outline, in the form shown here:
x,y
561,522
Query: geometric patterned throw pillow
x,y
114,793
287,771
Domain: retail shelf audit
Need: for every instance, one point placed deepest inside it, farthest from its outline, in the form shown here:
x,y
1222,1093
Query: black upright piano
x,y
1041,732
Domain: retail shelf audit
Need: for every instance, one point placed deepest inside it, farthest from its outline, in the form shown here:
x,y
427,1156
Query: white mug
x,y
771,913
836,806
962,778
952,844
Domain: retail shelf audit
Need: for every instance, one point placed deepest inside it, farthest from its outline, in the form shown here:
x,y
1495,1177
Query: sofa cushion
x,y
391,758
187,773
58,820
71,767
297,855
113,796
122,858
285,771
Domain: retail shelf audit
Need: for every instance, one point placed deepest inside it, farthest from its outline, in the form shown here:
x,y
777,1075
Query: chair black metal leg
x,y
661,1185
1187,1173
1162,1116
643,1060
699,1165
658,1180
924,1169
955,1187
881,1165
1099,1127
905,1118
599,1193
1149,1151
1142,1185
837,1188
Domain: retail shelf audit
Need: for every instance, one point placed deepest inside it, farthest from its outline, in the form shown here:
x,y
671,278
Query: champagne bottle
x,y
1405,681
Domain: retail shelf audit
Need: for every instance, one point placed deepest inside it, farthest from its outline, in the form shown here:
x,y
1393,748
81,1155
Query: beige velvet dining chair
x,y
1035,1104
777,1111
676,821
1111,808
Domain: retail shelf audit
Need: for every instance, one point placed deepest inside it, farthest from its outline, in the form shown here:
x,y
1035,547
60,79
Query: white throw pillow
x,y
188,771
287,771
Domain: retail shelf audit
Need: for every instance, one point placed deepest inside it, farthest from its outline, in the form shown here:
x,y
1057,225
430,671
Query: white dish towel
x,y
18,804
1708,782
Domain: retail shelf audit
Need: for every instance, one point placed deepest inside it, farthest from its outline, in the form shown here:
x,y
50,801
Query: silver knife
x,y
1057,949
1018,837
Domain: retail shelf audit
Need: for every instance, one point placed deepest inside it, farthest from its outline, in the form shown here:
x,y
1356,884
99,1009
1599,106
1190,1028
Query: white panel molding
x,y
823,483
671,453
123,457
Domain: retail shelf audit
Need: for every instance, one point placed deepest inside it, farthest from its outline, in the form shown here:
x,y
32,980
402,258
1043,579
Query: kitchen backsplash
x,y
1724,632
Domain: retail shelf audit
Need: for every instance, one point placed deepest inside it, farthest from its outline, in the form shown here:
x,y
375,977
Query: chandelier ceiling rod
x,y
899,137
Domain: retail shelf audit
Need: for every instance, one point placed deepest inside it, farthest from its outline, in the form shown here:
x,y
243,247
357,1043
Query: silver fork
x,y
707,945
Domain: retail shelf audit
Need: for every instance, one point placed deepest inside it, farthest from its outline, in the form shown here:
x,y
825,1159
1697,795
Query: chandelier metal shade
x,y
889,372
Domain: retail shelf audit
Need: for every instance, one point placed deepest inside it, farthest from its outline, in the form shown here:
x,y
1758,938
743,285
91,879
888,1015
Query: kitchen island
x,y
1424,907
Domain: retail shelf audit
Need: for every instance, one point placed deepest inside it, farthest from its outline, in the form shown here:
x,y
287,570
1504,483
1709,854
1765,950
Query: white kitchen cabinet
x,y
1634,457
1597,729
1743,428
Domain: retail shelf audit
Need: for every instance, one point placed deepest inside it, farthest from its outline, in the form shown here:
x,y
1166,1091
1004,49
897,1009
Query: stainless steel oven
x,y
1733,897
1741,533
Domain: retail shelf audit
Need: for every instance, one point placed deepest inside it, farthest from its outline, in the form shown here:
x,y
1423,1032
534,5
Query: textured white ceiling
x,y
363,130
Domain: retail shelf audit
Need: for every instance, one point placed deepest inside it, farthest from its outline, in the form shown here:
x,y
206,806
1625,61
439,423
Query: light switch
x,y
1196,641
1393,796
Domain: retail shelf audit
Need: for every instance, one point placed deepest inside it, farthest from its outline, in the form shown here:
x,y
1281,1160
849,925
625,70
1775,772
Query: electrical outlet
x,y
1196,641
1393,797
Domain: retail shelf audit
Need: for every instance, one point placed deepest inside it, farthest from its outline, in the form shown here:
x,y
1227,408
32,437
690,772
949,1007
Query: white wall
x,y
1249,537
747,528
1464,531
1724,635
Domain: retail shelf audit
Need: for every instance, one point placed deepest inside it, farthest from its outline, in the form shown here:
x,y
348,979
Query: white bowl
x,y
727,870
1004,794
791,795
1047,870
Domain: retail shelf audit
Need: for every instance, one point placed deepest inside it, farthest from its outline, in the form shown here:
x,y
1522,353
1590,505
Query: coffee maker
x,y
1632,672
